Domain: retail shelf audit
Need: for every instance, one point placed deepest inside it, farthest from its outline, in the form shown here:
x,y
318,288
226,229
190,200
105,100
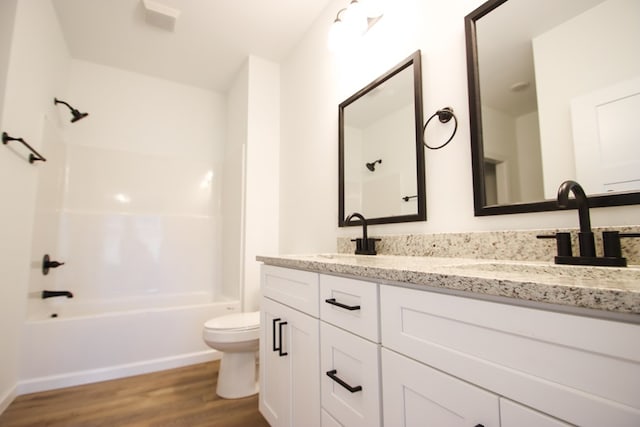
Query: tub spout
x,y
50,294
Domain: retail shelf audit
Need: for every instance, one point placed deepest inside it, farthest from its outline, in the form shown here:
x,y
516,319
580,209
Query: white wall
x,y
314,82
501,145
529,157
609,55
233,191
34,70
251,175
262,178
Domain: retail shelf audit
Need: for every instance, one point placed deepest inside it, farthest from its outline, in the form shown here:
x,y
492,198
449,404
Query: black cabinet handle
x,y
333,375
280,352
479,425
333,301
273,334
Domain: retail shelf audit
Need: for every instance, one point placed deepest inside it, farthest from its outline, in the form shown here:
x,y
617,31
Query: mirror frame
x,y
477,146
413,60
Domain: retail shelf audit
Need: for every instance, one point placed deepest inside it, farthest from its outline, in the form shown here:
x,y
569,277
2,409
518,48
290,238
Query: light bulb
x,y
355,18
373,8
337,35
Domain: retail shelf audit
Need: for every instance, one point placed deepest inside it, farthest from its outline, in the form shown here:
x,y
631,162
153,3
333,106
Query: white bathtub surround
x,y
88,345
136,209
518,245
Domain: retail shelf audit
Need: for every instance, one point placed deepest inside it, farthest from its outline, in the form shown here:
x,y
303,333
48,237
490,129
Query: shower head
x,y
77,115
372,166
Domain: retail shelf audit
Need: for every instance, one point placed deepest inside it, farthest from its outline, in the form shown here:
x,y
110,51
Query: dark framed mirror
x,y
554,94
381,156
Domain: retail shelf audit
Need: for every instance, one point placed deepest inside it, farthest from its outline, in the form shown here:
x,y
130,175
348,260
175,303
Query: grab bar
x,y
33,157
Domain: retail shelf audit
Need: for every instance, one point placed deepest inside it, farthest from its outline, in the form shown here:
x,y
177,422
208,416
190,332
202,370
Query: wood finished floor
x,y
177,397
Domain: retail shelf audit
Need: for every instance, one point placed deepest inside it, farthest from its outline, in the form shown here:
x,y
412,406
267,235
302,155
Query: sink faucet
x,y
365,245
585,236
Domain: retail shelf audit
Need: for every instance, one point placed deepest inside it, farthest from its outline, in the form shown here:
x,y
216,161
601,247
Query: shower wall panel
x,y
139,211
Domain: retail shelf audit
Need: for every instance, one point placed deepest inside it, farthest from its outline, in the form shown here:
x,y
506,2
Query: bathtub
x,y
95,341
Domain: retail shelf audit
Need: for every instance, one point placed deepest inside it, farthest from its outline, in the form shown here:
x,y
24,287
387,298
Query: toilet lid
x,y
236,321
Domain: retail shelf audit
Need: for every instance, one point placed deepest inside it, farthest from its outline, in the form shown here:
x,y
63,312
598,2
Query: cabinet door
x,y
351,391
515,415
289,366
418,395
275,381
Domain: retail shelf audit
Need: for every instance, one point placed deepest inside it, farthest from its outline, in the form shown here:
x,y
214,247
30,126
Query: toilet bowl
x,y
236,336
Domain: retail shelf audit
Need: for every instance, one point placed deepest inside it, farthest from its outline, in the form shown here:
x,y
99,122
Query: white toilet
x,y
236,336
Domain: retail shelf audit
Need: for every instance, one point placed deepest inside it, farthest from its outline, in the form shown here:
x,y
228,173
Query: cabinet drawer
x,y
352,305
579,369
295,288
355,362
418,395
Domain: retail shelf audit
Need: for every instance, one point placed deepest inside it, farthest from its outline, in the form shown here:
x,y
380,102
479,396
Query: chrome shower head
x,y
77,115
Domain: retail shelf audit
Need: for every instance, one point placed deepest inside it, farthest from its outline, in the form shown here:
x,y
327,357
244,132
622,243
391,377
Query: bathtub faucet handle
x,y
47,263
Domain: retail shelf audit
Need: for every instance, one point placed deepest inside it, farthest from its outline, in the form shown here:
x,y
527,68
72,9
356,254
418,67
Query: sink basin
x,y
553,270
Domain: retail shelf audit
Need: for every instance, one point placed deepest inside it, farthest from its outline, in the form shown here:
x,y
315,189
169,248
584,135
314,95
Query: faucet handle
x,y
563,242
611,242
366,247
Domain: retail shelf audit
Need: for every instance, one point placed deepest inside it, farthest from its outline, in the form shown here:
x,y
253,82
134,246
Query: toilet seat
x,y
234,322
238,327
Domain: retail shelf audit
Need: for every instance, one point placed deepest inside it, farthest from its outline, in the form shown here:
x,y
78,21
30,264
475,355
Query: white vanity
x,y
407,341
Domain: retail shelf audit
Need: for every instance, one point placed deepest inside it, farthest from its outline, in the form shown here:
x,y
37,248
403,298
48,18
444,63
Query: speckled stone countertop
x,y
614,290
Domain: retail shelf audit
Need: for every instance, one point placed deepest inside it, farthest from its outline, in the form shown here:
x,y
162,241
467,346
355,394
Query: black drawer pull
x,y
273,334
280,352
333,301
333,375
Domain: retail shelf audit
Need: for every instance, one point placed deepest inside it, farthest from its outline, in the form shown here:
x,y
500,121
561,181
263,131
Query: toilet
x,y
236,336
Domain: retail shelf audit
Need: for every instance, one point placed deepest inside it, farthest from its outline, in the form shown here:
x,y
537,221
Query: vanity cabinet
x,y
289,348
361,353
349,352
581,370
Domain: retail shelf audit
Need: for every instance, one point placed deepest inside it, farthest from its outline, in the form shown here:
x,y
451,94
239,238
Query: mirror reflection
x,y
554,88
381,155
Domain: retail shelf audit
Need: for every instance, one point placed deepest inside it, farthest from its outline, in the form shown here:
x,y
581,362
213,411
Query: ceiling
x,y
210,41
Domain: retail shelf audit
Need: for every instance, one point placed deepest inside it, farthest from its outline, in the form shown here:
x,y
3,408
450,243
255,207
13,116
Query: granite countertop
x,y
610,289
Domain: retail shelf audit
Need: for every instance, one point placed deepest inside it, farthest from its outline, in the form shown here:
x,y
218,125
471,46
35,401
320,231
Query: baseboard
x,y
7,398
113,372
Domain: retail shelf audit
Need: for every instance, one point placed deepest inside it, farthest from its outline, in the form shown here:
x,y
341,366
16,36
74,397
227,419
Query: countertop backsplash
x,y
521,245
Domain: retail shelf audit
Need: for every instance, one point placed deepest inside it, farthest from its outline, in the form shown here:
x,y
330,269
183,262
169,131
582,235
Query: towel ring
x,y
444,116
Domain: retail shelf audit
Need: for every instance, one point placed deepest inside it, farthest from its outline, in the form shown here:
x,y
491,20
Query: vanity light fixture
x,y
352,22
77,115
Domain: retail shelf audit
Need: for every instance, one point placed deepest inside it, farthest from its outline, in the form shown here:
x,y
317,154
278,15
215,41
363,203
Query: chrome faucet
x,y
585,236
365,245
